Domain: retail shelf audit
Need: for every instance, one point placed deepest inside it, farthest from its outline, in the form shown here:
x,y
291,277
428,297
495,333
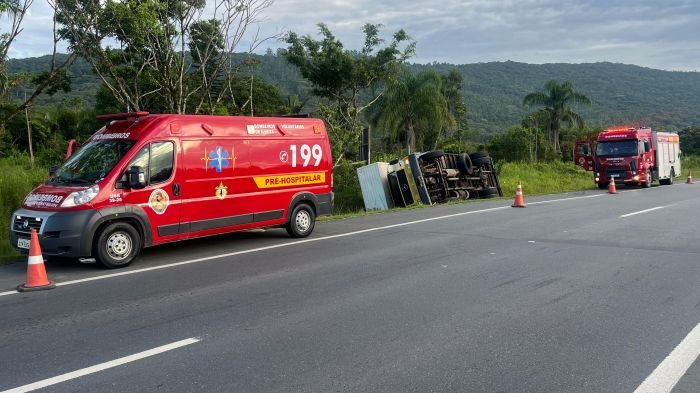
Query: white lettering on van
x,y
261,129
292,126
42,200
306,153
116,135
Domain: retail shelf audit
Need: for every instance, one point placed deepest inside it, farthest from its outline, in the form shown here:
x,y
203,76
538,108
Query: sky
x,y
660,34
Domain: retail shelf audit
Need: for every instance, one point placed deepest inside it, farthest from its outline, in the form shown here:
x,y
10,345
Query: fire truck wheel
x,y
302,221
117,245
602,186
647,182
431,155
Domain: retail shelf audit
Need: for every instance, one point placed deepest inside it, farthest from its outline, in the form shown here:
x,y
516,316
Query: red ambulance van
x,y
144,180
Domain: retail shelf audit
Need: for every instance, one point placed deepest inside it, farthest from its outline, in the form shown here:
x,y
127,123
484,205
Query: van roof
x,y
135,125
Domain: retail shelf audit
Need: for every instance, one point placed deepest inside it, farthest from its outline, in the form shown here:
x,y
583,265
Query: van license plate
x,y
23,243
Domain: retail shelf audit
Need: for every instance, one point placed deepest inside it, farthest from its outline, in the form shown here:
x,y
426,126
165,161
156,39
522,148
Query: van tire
x,y
117,245
301,221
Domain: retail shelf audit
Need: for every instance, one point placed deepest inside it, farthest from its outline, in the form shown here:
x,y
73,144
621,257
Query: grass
x,y
544,178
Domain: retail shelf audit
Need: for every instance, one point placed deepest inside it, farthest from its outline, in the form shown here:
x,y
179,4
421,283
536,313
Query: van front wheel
x,y
301,222
117,245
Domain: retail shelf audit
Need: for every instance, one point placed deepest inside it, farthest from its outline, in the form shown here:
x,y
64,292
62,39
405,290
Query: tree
x,y
166,53
556,100
341,76
456,106
52,80
413,109
690,140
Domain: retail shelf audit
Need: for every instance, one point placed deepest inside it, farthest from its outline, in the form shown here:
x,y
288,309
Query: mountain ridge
x,y
621,93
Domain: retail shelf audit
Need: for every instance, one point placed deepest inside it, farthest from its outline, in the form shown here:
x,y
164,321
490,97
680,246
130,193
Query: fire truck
x,y
634,156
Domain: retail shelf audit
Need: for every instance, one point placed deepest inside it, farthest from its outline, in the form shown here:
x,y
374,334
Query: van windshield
x,y
92,163
617,148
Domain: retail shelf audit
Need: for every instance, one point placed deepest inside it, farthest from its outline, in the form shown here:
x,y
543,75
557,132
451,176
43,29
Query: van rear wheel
x,y
117,245
301,222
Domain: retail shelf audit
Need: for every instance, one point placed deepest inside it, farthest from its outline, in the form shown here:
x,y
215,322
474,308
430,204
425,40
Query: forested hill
x,y
494,91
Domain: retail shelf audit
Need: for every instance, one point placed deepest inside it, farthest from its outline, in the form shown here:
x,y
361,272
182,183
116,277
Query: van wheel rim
x,y
303,221
119,245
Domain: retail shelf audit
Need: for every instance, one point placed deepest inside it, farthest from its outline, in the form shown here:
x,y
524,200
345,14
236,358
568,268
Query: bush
x,y
346,186
17,179
543,178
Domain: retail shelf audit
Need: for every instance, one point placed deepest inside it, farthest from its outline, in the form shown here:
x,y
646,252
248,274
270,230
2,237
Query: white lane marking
x,y
102,366
252,250
644,211
672,369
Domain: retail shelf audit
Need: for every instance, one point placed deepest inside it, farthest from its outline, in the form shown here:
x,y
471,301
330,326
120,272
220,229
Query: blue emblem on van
x,y
219,159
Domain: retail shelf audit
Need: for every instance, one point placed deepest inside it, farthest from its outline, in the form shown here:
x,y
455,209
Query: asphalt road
x,y
565,295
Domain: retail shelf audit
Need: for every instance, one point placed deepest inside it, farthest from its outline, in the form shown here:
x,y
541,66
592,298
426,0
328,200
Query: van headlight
x,y
81,197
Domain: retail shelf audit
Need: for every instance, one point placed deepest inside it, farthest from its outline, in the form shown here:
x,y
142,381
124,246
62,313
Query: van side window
x,y
161,161
156,160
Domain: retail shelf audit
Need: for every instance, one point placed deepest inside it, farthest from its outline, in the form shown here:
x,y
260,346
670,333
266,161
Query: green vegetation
x,y
412,110
557,100
17,179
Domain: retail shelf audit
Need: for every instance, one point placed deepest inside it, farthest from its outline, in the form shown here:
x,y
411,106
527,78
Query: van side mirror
x,y
135,177
647,146
53,170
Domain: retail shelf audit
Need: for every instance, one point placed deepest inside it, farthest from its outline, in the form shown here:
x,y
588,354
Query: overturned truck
x,y
428,178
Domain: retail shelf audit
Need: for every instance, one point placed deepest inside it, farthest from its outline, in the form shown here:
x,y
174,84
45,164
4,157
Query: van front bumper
x,y
60,233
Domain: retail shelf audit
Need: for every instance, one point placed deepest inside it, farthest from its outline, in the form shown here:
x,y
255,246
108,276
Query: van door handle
x,y
176,189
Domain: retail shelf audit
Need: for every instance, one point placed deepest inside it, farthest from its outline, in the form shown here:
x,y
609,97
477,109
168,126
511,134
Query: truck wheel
x,y
479,154
602,186
464,164
481,161
431,155
117,245
491,192
302,221
647,182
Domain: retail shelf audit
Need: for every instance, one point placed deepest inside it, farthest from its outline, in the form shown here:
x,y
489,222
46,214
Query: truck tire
x,y
602,186
479,154
117,245
301,222
464,164
647,182
669,181
490,192
481,161
431,155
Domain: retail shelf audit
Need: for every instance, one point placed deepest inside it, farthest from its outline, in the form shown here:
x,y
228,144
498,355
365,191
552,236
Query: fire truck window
x,y
161,161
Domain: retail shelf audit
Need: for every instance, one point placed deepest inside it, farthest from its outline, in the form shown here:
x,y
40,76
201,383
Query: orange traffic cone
x,y
611,186
36,273
690,178
519,199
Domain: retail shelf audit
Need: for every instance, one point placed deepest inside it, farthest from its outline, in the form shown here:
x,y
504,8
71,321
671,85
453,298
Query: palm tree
x,y
412,108
556,100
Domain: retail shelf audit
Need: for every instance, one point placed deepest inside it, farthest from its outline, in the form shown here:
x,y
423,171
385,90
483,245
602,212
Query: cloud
x,y
654,33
